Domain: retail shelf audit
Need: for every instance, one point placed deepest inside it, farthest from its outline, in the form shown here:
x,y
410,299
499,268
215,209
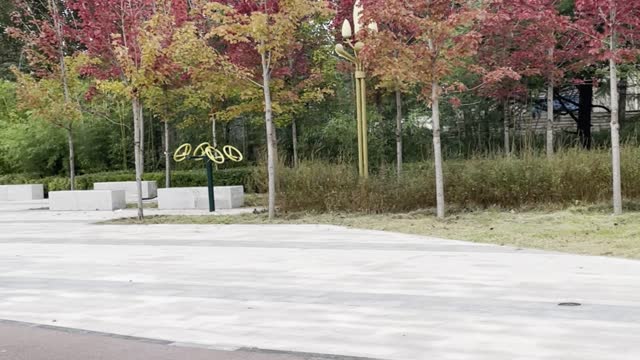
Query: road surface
x,y
314,289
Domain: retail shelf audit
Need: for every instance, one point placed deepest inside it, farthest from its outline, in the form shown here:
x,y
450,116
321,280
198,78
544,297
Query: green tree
x,y
54,101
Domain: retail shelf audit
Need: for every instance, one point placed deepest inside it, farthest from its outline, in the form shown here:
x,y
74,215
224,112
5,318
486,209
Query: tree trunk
x,y
398,132
123,142
244,136
271,137
141,125
167,156
53,10
622,101
214,138
137,143
505,123
294,142
615,135
615,126
585,93
550,119
72,159
437,149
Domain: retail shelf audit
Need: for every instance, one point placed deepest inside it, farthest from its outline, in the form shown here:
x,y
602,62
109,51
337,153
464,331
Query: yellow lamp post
x,y
349,38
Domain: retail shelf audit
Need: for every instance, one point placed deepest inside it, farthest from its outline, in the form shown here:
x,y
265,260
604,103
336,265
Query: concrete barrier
x,y
226,197
21,192
149,188
87,200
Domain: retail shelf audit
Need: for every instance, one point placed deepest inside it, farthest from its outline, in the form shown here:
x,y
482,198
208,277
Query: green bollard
x,y
212,200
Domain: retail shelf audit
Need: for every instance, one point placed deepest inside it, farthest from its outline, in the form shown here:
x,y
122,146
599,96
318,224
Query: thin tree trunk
x,y
123,141
550,113
152,142
141,124
437,149
137,143
398,132
214,138
615,135
294,142
271,137
53,10
72,160
244,136
549,119
505,123
167,156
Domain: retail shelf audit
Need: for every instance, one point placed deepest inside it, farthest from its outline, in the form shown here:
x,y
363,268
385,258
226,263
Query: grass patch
x,y
145,205
256,200
590,230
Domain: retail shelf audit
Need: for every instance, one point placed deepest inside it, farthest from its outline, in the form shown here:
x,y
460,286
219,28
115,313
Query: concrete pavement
x,y
315,289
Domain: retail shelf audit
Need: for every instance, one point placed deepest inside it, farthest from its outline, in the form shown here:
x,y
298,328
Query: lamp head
x,y
346,29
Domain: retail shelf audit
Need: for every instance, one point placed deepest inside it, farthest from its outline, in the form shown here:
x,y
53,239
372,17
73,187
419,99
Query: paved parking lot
x,y
314,289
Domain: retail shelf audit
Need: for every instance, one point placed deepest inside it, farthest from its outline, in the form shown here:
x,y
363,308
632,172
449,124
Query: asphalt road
x,y
23,341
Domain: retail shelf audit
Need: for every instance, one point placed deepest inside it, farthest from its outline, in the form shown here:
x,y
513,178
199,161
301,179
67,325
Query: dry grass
x,y
506,182
581,230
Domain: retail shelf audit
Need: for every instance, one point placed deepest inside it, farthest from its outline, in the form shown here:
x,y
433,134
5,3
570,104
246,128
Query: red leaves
x,y
419,41
105,24
499,74
600,21
37,32
520,39
455,102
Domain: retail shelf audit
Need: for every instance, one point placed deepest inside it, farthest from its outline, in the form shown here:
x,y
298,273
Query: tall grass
x,y
529,180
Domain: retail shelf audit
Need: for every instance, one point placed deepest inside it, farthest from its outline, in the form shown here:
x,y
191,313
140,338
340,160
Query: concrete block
x,y
149,188
226,197
21,192
87,200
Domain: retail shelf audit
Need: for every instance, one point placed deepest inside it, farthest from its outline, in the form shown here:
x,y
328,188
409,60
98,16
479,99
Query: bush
x,y
570,176
180,178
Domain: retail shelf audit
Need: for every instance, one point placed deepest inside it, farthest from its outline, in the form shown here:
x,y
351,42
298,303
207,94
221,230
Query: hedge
x,y
180,178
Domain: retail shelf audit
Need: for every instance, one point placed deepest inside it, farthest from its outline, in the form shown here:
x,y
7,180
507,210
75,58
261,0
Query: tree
x,y
612,29
46,41
265,31
110,31
390,57
442,41
170,43
521,35
303,81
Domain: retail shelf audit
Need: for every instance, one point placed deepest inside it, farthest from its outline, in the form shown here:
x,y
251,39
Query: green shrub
x,y
181,178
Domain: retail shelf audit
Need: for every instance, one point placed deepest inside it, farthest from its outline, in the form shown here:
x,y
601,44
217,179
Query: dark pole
x,y
212,201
